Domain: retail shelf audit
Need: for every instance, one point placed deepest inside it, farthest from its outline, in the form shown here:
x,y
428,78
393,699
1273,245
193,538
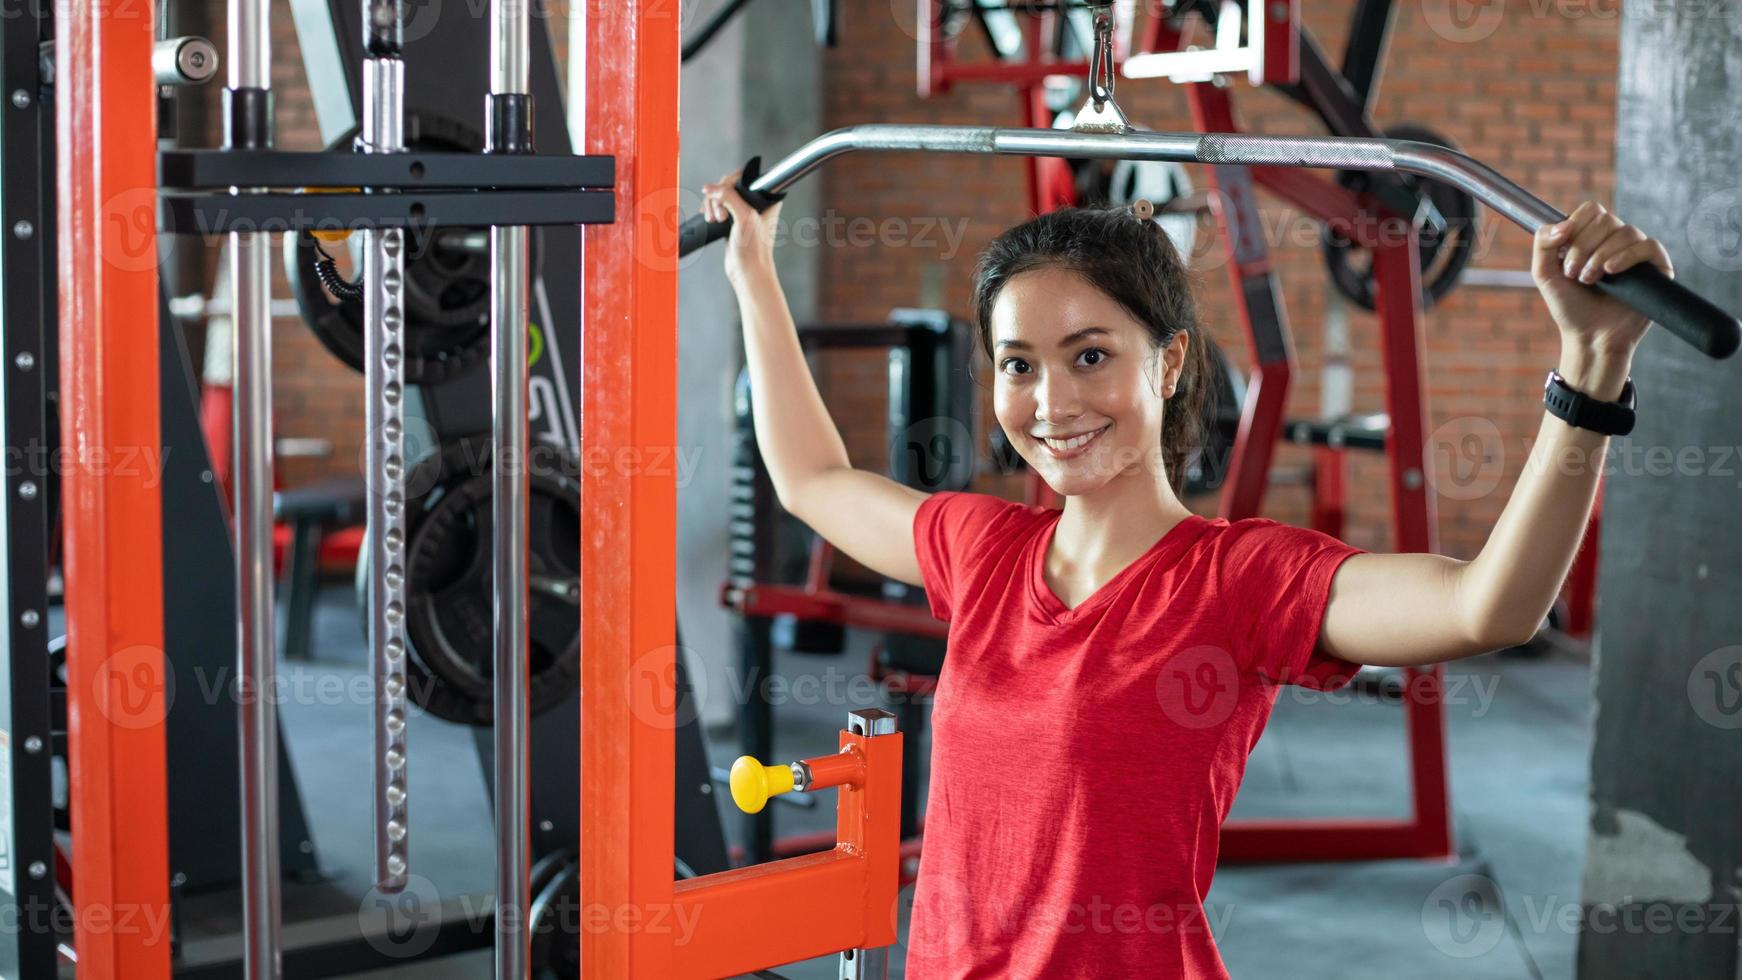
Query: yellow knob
x,y
753,783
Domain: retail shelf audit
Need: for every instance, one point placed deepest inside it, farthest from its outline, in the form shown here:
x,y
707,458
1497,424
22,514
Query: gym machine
x,y
390,194
1238,162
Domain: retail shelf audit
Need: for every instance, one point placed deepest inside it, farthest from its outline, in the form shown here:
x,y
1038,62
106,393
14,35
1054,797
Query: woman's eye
x,y
1014,365
1092,356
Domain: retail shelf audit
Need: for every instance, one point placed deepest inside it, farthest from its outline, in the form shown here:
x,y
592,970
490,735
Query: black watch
x,y
1581,411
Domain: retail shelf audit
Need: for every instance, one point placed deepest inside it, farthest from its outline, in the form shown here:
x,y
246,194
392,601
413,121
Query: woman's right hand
x,y
750,248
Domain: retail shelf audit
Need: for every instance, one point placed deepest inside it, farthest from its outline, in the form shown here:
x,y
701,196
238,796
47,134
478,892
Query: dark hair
x,y
1132,260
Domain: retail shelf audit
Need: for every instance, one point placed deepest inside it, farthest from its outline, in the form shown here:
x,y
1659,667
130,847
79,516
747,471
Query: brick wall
x,y
1533,98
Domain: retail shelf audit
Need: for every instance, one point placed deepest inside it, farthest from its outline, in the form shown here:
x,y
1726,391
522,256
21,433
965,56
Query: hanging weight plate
x,y
60,776
555,927
1444,252
449,608
1224,395
447,280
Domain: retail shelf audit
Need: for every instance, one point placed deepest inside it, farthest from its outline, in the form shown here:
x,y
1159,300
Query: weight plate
x,y
449,618
60,776
1443,253
554,923
1224,394
447,281
546,868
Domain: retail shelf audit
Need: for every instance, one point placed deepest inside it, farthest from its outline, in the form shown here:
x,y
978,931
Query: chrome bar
x,y
1408,156
256,709
250,33
510,51
1709,328
510,46
250,68
386,466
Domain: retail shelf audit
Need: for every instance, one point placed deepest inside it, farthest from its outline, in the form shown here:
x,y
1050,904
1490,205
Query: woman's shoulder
x,y
967,514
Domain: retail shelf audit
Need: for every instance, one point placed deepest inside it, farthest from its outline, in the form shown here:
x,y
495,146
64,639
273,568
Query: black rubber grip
x,y
247,119
697,231
1676,308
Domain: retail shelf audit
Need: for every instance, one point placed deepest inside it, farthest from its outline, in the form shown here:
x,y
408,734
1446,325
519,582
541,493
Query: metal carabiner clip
x,y
1101,114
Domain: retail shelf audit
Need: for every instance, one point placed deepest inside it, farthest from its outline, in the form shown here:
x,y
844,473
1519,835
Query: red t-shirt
x,y
1083,759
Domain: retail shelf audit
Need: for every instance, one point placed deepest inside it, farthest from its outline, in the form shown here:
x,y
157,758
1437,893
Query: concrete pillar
x,y
1663,868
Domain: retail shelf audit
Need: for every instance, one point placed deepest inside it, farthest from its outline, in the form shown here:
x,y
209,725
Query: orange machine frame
x,y
748,918
742,920
106,128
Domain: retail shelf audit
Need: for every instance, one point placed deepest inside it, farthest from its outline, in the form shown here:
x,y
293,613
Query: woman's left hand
x,y
1571,254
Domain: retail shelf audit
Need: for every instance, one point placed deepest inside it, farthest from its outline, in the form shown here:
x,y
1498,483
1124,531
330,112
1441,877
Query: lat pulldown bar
x,y
1680,310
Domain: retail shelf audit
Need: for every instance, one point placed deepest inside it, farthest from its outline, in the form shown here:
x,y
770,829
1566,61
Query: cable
x,y
327,271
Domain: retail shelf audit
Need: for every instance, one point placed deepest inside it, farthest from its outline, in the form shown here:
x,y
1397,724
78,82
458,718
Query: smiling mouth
x,y
1062,448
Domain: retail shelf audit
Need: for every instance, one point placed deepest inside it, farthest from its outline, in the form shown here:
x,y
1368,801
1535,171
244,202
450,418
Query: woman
x,y
1111,665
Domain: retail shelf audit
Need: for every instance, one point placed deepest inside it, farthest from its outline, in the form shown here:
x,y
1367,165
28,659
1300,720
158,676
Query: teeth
x,y
1066,445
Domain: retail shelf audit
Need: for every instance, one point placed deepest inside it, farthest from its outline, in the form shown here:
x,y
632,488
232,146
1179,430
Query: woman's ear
x,y
1173,358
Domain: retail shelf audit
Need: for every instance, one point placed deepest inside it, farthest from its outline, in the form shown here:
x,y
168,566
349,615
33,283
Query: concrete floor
x,y
1519,730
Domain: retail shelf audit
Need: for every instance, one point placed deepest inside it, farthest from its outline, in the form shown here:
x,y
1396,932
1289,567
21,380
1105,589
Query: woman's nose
x,y
1055,398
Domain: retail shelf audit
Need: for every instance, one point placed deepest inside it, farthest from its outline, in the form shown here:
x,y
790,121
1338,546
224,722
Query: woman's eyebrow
x,y
1067,341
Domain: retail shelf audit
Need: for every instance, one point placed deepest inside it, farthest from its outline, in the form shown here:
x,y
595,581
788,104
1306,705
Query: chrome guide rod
x,y
248,125
509,124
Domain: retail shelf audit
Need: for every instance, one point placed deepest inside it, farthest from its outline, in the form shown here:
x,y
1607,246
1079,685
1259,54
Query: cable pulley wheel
x,y
1444,253
447,280
449,585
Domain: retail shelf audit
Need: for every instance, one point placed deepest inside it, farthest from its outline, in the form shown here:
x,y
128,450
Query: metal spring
x,y
327,271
